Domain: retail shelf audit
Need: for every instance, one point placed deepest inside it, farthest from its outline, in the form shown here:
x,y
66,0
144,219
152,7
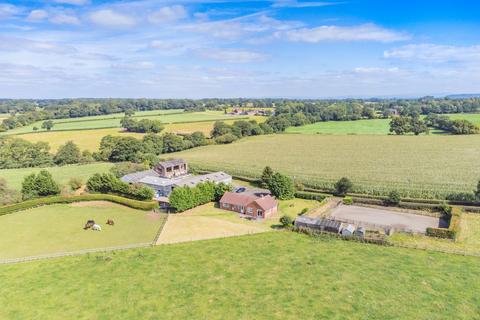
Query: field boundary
x,y
75,253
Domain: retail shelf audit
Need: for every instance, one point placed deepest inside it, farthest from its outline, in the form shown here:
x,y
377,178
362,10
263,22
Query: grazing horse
x,y
89,224
110,222
96,227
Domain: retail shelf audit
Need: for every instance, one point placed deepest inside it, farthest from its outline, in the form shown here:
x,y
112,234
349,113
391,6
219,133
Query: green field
x,y
423,166
374,127
100,122
62,175
275,275
59,228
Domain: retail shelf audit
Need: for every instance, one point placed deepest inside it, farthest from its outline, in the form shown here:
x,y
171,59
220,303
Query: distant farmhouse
x,y
249,205
170,174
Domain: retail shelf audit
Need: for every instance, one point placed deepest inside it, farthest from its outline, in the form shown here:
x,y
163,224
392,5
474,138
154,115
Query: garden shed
x,y
322,224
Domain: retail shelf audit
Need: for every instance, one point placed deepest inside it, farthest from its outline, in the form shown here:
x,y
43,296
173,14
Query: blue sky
x,y
217,48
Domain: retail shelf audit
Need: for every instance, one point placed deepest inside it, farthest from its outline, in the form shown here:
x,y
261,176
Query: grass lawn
x,y
468,241
423,166
62,175
273,275
59,228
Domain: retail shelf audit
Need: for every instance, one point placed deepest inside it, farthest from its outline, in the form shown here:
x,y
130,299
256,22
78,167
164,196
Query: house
x,y
249,206
171,168
170,174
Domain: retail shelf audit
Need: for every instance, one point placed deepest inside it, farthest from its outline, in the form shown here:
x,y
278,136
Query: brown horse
x,y
110,222
89,224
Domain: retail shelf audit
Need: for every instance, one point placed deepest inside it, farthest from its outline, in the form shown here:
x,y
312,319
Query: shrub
x,y
309,196
266,177
347,201
226,138
39,185
393,198
184,198
453,229
304,210
123,168
75,183
220,189
343,186
108,183
286,221
446,209
462,197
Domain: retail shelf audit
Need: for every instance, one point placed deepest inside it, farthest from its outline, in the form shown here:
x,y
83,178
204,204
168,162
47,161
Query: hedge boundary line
x,y
453,229
407,203
134,204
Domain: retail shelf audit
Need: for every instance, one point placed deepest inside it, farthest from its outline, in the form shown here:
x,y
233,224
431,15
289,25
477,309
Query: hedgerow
x,y
135,204
453,229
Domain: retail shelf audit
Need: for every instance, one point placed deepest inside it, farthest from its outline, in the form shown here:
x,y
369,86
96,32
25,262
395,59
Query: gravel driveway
x,y
417,223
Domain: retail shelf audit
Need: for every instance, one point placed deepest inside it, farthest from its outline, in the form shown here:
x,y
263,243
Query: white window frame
x,y
250,210
259,213
226,205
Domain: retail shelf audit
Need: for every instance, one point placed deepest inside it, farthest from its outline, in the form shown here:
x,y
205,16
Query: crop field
x,y
423,166
370,127
292,277
101,122
62,175
59,228
90,139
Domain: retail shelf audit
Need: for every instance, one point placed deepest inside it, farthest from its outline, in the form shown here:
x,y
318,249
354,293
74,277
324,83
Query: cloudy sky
x,y
221,48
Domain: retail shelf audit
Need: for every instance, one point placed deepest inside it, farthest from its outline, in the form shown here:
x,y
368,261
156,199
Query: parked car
x,y
240,189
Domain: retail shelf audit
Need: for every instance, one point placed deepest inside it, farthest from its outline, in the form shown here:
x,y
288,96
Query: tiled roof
x,y
237,199
266,203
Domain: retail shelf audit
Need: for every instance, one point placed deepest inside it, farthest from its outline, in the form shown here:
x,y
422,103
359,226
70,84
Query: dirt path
x,y
326,209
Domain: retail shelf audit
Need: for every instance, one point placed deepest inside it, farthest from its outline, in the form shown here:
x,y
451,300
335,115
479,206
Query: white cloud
x,y
435,53
365,32
8,10
63,18
37,15
110,18
231,55
168,14
367,70
137,65
73,2
14,44
303,4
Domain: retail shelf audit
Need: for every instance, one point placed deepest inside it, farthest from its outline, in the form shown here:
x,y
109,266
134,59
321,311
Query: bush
x,y
304,210
108,183
123,168
135,204
393,198
453,229
462,197
75,183
343,186
184,198
39,185
348,201
226,138
309,196
286,221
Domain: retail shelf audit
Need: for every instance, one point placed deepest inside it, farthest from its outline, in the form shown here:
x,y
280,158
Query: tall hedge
x,y
453,229
135,204
184,198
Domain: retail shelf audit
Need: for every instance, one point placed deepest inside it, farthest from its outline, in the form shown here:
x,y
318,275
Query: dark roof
x,y
171,163
317,223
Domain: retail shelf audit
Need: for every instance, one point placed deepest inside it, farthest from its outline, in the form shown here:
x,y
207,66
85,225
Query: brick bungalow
x,y
249,205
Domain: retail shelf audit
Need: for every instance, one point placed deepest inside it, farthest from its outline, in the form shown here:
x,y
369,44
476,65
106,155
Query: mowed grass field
x,y
101,122
273,275
423,166
90,139
59,228
62,175
374,126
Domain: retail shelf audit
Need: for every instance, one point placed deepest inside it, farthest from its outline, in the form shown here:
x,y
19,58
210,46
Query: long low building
x,y
163,181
